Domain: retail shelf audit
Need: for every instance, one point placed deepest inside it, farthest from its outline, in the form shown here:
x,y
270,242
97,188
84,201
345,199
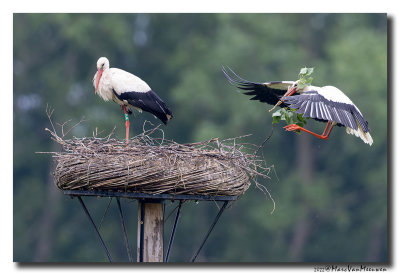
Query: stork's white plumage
x,y
128,91
326,103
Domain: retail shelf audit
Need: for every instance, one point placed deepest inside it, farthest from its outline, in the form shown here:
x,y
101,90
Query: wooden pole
x,y
150,232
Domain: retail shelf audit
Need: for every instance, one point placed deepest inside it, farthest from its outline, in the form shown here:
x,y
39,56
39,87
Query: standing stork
x,y
326,104
128,90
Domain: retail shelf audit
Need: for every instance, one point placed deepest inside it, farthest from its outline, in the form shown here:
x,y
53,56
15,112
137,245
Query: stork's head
x,y
295,86
102,64
299,87
293,89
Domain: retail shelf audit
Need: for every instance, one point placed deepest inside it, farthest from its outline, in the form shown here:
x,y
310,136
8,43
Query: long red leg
x,y
330,130
324,136
126,123
326,128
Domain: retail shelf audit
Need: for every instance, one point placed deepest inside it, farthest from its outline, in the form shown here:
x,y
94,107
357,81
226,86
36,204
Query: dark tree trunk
x,y
305,164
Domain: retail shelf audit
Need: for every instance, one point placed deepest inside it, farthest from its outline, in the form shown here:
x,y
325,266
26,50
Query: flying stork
x,y
128,91
326,104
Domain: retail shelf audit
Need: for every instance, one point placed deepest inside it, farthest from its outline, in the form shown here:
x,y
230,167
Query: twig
x,y
82,120
262,144
49,113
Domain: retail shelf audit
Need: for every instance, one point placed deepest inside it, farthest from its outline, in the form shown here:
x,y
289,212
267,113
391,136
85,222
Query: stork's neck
x,y
105,87
309,88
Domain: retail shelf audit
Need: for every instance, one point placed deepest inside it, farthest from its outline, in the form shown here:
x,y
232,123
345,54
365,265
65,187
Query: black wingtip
x,y
238,81
227,75
167,117
166,113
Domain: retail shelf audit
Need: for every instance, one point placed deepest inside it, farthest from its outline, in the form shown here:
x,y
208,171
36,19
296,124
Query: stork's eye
x,y
102,65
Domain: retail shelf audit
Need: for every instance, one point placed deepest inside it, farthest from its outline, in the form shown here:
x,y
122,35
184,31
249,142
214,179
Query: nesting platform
x,y
156,166
152,170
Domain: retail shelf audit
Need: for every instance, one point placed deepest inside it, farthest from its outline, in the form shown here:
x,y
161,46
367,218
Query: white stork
x,y
327,104
128,90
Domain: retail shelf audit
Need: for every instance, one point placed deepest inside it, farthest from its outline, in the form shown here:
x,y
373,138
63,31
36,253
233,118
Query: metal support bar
x,y
95,227
141,239
145,196
173,231
209,231
142,199
124,230
105,213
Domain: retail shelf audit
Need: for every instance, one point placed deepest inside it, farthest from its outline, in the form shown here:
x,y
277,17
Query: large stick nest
x,y
156,165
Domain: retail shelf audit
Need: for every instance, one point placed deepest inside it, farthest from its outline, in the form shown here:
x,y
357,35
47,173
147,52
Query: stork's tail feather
x,y
366,137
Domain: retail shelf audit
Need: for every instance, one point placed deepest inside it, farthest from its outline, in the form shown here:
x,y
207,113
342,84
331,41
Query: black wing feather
x,y
148,102
361,120
302,107
307,110
259,91
318,110
296,105
324,110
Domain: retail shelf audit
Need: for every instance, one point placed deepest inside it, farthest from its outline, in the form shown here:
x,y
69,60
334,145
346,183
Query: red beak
x,y
99,73
289,92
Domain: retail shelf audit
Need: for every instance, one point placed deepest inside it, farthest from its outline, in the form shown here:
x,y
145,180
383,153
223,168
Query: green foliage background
x,y
331,196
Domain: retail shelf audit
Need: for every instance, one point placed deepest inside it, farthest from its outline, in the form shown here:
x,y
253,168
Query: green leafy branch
x,y
289,115
305,78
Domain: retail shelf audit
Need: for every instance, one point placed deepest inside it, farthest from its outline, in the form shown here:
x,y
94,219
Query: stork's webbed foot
x,y
324,136
292,127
